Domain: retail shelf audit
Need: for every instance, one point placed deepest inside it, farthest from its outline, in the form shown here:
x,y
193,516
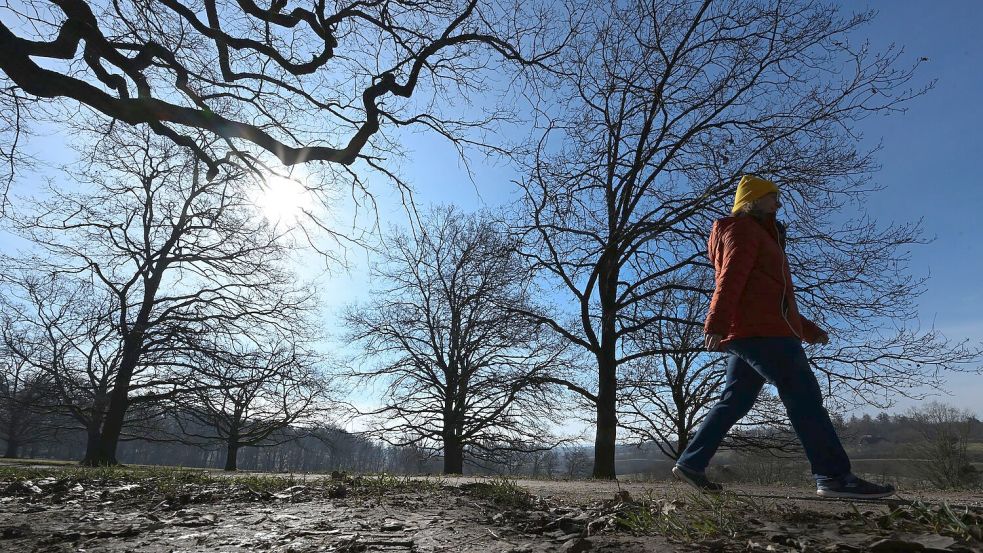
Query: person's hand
x,y
712,342
822,338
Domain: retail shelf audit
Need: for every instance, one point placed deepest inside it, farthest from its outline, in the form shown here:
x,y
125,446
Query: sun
x,y
282,200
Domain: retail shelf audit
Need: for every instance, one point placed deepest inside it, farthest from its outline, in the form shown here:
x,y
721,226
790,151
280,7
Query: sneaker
x,y
696,479
853,487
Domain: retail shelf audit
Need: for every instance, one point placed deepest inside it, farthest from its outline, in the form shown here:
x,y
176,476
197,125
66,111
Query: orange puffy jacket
x,y
753,283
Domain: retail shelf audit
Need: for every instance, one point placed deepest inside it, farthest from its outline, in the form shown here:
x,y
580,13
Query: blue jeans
x,y
782,362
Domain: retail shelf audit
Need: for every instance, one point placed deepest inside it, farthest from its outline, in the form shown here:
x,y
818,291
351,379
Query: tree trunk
x,y
681,445
453,455
453,449
12,446
108,441
12,432
232,456
606,436
94,455
119,401
682,435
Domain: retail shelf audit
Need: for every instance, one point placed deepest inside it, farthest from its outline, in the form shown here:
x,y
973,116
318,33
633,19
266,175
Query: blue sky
x,y
931,154
931,164
930,169
930,160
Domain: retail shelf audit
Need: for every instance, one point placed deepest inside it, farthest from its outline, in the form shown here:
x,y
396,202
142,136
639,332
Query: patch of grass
x,y
39,462
266,483
693,517
918,516
383,484
503,491
81,474
182,486
641,519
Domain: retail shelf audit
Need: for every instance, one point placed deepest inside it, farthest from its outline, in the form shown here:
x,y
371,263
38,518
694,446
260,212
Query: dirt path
x,y
586,491
156,511
398,524
123,518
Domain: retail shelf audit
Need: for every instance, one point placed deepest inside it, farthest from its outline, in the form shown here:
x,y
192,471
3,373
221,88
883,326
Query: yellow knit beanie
x,y
751,188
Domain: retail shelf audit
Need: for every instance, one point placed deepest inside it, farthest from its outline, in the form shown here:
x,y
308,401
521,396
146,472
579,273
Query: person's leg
x,y
741,389
783,362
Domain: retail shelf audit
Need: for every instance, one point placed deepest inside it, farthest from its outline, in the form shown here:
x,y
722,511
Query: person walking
x,y
753,317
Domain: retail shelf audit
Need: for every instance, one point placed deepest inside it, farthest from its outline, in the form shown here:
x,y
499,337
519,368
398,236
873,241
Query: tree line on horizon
x,y
153,289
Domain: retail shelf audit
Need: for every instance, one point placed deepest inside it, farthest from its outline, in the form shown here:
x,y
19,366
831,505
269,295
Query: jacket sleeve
x,y
810,330
733,254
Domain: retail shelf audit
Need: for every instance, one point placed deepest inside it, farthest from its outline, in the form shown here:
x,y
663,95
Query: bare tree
x,y
24,397
265,397
577,463
664,398
172,256
945,432
545,464
462,372
658,110
304,83
62,327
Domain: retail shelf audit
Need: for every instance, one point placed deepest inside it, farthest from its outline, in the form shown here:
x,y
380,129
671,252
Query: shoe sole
x,y
848,495
680,475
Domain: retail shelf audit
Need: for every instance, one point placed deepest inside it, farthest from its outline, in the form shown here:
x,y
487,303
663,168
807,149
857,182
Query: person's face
x,y
768,204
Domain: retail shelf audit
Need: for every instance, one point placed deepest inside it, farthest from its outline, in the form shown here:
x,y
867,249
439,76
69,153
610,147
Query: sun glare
x,y
282,200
